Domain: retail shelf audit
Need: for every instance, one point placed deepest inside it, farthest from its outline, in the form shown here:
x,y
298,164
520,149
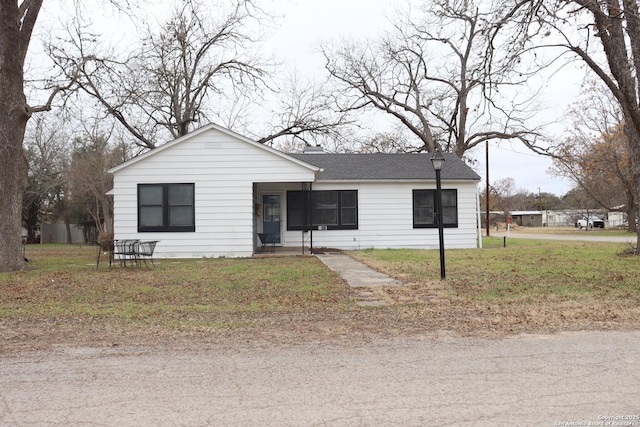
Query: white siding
x,y
385,218
223,169
231,174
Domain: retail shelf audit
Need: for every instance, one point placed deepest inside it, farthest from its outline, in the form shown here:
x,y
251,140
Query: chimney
x,y
310,149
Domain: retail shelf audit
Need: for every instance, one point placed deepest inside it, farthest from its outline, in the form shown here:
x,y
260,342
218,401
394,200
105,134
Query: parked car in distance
x,y
591,223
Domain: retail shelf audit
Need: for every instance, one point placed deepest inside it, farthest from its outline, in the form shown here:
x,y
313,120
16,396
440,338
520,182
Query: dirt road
x,y
435,380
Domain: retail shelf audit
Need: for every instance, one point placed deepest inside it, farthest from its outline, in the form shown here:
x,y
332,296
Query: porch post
x,y
310,228
304,213
306,227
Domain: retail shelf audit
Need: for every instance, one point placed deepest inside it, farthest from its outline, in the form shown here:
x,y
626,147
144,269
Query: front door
x,y
271,217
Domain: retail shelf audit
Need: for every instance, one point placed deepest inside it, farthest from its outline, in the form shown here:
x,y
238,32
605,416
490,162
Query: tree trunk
x,y
631,215
14,114
67,225
107,208
12,184
634,152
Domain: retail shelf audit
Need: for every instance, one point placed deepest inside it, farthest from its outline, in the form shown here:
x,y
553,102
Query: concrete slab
x,y
356,273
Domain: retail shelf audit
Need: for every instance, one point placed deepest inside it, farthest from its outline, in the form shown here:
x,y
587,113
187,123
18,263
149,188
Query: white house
x,y
213,192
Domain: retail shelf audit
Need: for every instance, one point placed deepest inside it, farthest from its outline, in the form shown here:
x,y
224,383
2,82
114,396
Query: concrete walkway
x,y
356,273
366,281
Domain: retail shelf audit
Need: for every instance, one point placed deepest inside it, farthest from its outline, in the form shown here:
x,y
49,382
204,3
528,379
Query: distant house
x,y
527,218
213,193
560,218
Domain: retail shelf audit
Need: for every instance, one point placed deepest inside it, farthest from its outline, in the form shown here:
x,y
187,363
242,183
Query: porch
x,y
272,236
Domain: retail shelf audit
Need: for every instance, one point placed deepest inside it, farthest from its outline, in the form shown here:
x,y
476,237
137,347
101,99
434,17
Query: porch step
x,y
270,251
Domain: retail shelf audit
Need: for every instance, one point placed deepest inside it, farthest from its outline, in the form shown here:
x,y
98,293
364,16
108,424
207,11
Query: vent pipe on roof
x,y
310,149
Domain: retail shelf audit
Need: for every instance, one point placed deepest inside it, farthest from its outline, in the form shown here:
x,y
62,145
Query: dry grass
x,y
531,286
566,230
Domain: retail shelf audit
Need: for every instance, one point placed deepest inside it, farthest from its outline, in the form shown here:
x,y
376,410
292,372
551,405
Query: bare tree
x,y
178,74
603,34
17,23
431,76
305,113
46,147
89,181
595,155
504,191
386,142
192,71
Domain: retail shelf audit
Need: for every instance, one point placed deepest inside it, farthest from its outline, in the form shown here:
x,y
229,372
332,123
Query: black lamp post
x,y
437,161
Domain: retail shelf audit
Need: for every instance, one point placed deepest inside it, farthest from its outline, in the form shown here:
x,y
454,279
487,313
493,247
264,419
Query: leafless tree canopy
x,y
174,79
431,75
306,114
47,152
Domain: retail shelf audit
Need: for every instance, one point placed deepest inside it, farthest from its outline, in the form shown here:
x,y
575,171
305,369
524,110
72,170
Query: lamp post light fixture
x,y
438,161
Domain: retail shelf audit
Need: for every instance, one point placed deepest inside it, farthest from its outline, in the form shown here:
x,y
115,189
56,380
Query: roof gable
x,y
381,166
210,128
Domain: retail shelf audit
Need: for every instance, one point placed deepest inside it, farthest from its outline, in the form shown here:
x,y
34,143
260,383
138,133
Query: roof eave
x,y
391,180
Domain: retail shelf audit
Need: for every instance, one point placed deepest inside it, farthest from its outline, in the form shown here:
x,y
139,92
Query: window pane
x,y
423,207
424,199
325,200
180,215
324,208
271,200
325,217
294,217
294,209
151,216
423,216
349,199
449,198
449,216
180,194
349,216
150,194
449,207
272,213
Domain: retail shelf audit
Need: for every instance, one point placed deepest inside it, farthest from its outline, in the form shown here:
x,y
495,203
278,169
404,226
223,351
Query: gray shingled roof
x,y
386,167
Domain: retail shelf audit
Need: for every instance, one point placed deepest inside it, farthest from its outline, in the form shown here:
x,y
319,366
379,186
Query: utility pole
x,y
486,145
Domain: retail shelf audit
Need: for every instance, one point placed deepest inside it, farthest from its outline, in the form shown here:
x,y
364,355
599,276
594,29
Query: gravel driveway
x,y
434,380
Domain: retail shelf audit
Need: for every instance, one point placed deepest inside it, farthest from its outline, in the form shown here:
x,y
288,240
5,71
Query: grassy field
x,y
530,286
566,230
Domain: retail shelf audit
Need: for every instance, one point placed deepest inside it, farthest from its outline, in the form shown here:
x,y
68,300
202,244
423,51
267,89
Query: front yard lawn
x,y
530,286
